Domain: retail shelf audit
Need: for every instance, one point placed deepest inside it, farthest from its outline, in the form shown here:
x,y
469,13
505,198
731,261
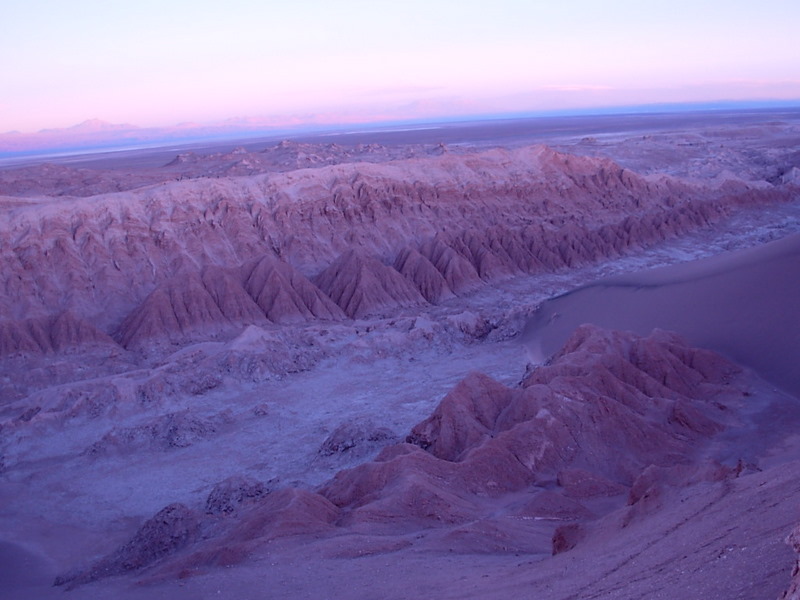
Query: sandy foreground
x,y
500,414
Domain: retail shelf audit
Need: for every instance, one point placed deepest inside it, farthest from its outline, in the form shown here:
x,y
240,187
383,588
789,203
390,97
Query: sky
x,y
162,62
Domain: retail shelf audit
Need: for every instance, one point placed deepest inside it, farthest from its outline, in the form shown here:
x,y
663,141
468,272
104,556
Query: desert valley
x,y
515,359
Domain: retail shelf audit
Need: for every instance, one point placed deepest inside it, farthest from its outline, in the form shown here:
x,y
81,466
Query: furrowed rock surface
x,y
590,465
285,296
362,286
45,335
219,300
611,424
649,402
423,274
474,217
459,274
168,531
174,311
232,299
178,540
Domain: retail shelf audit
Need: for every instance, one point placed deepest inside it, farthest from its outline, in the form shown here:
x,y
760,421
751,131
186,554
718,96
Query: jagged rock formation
x,y
362,286
756,289
229,295
285,296
647,400
652,404
218,299
423,274
49,334
176,310
171,529
459,274
474,217
258,518
640,465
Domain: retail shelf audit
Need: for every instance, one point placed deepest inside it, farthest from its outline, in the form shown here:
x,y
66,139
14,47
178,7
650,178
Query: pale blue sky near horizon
x,y
154,63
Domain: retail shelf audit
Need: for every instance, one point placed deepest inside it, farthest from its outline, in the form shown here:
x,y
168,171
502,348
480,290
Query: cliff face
x,y
440,224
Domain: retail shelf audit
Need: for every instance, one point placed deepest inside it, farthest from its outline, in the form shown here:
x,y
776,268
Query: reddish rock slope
x,y
285,296
473,217
362,285
611,404
49,334
614,417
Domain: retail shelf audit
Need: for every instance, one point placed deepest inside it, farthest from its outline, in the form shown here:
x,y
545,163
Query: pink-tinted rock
x,y
173,311
286,296
489,264
421,271
286,512
591,421
362,285
233,302
483,215
458,272
464,418
42,335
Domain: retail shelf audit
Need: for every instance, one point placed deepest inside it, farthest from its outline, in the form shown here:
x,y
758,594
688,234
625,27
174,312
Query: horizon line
x,y
227,130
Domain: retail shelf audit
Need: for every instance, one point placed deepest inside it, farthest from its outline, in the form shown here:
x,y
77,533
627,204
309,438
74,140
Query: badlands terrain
x,y
531,359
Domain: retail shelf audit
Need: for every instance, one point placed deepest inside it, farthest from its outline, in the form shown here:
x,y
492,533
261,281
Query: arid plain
x,y
545,358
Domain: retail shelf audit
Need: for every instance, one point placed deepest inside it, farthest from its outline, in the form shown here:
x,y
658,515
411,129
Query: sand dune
x,y
745,305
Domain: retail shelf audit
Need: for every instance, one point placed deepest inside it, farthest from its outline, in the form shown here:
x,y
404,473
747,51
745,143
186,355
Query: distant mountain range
x,y
95,134
98,135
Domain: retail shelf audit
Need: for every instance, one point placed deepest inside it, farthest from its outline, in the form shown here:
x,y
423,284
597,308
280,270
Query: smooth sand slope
x,y
745,305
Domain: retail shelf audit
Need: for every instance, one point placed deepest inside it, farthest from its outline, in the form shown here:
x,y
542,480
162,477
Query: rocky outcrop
x,y
286,296
457,271
464,419
487,439
355,437
739,303
168,531
362,285
424,275
592,429
473,217
217,299
168,432
793,591
178,540
235,304
230,494
45,335
173,311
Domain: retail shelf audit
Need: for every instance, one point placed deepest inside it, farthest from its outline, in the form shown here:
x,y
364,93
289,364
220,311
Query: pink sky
x,y
153,63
